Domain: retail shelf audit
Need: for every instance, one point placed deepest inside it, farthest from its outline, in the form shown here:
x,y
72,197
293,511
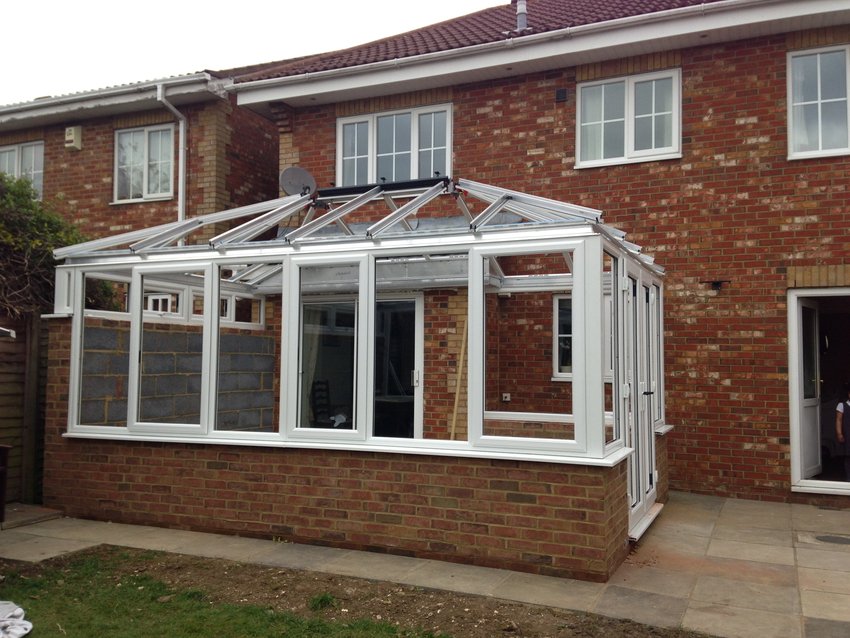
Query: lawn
x,y
92,595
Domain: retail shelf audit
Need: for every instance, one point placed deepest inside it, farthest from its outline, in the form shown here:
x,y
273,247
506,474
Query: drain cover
x,y
836,540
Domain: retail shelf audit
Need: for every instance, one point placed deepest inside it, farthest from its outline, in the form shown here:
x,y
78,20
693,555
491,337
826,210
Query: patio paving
x,y
725,567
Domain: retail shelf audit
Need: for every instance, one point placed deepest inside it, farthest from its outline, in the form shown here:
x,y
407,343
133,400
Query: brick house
x,y
114,160
715,134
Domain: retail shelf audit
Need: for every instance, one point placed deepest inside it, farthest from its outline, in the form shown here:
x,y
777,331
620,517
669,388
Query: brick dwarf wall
x,y
536,517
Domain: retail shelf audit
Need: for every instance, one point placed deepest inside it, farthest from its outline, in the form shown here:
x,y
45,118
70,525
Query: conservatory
x,y
432,319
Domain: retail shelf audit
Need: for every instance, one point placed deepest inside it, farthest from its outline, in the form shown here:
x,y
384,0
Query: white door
x,y
810,390
638,402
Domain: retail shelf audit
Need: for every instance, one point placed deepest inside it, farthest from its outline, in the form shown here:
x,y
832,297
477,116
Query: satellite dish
x,y
297,181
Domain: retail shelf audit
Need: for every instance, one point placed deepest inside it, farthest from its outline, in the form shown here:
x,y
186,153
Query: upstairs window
x,y
818,114
394,147
144,162
633,119
24,160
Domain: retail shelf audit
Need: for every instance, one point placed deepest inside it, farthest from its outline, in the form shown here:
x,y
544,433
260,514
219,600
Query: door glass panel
x,y
613,428
810,357
395,368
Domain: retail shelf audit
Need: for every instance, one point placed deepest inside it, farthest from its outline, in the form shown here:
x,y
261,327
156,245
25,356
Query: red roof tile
x,y
488,25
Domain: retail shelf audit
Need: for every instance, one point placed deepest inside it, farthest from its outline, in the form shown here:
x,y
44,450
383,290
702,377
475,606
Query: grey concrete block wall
x,y
170,384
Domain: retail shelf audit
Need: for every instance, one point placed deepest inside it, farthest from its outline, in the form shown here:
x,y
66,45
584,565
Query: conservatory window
x,y
394,146
819,117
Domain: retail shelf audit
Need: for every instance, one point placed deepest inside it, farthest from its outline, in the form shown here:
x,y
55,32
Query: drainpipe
x,y
181,153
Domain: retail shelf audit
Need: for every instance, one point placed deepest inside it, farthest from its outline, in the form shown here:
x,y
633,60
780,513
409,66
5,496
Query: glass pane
x,y
643,133
362,138
806,136
440,128
395,368
349,172
591,142
614,139
170,359
402,132
7,162
327,349
386,134
246,391
663,131
440,167
425,164
402,167
591,104
804,84
835,125
664,95
349,140
643,98
385,169
810,355
833,75
362,171
615,100
426,130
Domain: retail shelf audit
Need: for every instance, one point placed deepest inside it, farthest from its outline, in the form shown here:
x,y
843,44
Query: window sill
x,y
836,152
628,160
661,430
144,200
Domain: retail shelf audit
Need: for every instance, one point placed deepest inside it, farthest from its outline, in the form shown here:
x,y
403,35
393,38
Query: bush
x,y
29,233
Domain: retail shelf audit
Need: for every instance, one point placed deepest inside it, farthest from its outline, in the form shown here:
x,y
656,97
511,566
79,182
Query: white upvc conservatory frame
x,y
547,226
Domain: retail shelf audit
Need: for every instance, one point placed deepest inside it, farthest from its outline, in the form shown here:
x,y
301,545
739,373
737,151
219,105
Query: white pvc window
x,y
25,160
144,163
394,146
563,333
818,113
632,119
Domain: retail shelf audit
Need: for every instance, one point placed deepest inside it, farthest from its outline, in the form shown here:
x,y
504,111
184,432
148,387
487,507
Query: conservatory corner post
x,y
475,353
589,344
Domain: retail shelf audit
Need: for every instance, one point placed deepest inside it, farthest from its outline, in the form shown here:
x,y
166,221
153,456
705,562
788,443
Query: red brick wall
x,y
732,208
537,517
231,161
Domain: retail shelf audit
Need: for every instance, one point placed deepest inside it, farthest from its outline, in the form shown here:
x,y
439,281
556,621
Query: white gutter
x,y
181,152
695,19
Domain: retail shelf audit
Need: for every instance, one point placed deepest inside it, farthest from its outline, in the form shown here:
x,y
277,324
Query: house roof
x,y
481,27
486,45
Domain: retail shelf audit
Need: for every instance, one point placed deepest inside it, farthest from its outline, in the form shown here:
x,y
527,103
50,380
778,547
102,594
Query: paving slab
x,y
823,521
738,593
16,545
823,559
655,579
827,605
761,520
371,565
758,535
751,552
820,628
552,592
824,580
738,622
641,606
297,556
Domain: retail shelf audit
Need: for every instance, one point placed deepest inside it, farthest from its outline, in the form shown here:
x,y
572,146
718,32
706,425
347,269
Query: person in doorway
x,y
842,428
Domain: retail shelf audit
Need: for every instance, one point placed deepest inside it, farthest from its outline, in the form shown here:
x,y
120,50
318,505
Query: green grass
x,y
87,599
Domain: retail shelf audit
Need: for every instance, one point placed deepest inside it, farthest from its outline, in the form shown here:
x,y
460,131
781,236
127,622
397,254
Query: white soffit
x,y
679,28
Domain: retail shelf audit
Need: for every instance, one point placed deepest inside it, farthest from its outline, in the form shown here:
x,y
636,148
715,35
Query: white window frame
x,y
146,195
557,373
371,121
630,155
17,168
831,152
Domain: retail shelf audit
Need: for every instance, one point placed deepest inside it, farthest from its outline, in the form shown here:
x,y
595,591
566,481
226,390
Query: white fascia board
x,y
120,99
667,30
